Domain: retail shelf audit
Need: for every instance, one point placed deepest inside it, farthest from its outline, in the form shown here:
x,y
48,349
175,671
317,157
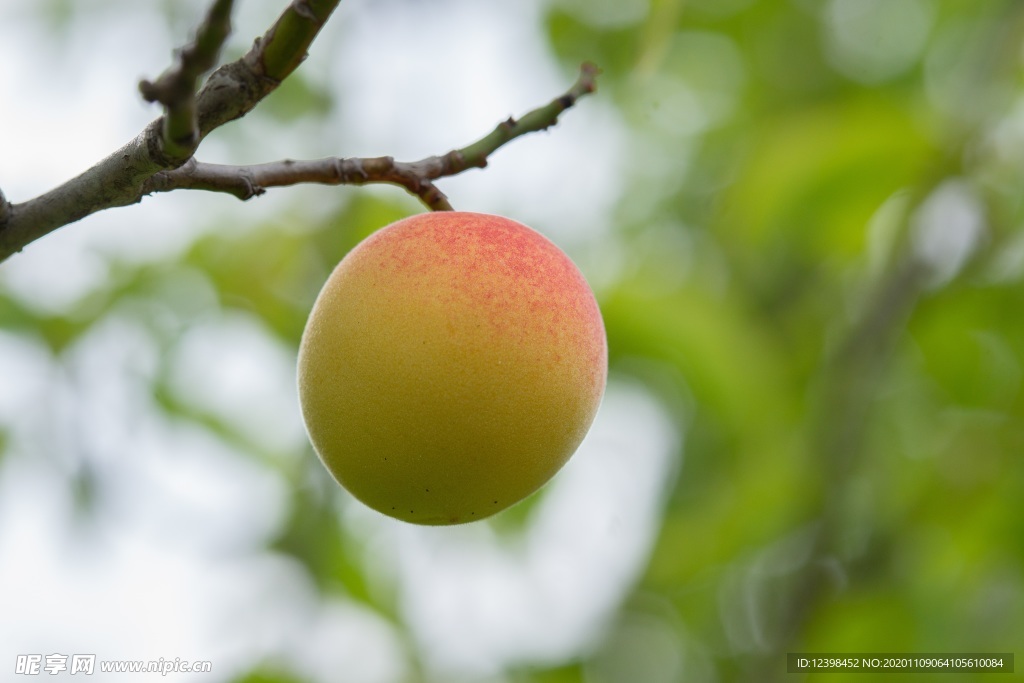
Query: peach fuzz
x,y
452,363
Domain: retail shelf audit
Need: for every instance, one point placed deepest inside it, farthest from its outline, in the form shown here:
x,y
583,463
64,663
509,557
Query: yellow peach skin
x,y
450,366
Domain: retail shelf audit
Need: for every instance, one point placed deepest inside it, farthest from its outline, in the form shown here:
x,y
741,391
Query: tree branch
x,y
416,177
5,210
160,159
230,92
475,155
846,398
234,89
176,87
246,182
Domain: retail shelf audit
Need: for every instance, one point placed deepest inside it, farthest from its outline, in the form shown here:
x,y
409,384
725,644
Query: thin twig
x,y
475,155
176,87
416,177
234,89
284,46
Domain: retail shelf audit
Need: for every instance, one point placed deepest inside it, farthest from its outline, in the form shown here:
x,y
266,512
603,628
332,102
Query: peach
x,y
452,363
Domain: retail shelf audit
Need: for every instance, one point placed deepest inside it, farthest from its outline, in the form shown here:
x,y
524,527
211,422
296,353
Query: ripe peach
x,y
450,366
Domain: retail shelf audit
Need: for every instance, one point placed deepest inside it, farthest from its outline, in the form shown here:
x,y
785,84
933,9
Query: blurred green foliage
x,y
787,343
851,365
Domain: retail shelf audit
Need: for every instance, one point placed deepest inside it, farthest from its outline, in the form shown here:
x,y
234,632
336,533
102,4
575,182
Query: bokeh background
x,y
802,219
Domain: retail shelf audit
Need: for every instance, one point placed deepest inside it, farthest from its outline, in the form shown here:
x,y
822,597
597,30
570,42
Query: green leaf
x,y
814,177
270,674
